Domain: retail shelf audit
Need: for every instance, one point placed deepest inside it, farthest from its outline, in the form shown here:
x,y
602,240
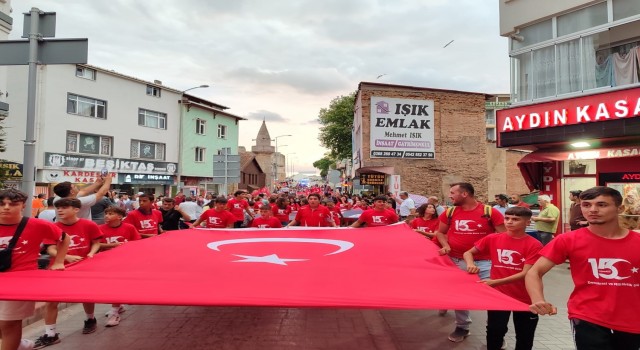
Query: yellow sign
x,y
372,179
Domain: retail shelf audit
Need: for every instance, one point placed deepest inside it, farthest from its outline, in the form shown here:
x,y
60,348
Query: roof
x,y
192,101
246,158
128,77
408,87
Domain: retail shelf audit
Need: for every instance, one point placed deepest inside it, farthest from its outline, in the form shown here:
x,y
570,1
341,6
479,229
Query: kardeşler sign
x,y
402,128
588,109
58,160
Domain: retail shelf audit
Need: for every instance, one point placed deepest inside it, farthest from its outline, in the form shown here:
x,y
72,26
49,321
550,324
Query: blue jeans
x,y
462,316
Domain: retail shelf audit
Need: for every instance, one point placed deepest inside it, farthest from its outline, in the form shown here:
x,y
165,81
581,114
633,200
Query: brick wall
x,y
515,181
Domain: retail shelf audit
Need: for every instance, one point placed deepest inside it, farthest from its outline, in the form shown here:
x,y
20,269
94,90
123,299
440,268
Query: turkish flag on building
x,y
384,267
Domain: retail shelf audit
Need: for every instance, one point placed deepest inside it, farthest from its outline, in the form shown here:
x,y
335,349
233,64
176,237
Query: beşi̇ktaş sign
x,y
402,128
594,108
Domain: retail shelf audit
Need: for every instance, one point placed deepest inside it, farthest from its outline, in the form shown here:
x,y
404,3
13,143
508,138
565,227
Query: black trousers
x,y
590,336
524,323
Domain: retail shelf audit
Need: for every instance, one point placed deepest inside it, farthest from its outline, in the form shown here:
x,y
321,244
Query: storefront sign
x,y
372,179
10,170
588,109
394,185
145,179
73,176
550,179
599,153
402,128
629,176
58,160
494,105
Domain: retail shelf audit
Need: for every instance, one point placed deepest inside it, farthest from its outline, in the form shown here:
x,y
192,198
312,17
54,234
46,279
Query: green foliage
x,y
324,164
337,125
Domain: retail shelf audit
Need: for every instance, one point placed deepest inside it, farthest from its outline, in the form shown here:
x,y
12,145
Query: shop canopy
x,y
531,165
376,267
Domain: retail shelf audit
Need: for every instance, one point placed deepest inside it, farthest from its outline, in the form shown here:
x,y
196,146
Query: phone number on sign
x,y
402,154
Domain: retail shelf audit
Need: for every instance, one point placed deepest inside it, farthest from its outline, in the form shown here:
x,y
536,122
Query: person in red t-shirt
x,y
217,217
605,264
517,201
427,222
378,216
24,256
238,205
512,255
84,237
336,213
458,231
145,219
115,233
281,210
266,220
313,214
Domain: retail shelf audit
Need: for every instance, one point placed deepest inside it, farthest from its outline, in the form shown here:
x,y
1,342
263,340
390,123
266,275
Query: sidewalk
x,y
189,327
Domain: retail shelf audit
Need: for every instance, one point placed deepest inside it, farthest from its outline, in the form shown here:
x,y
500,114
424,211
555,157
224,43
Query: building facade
x,y
6,23
206,130
89,118
575,97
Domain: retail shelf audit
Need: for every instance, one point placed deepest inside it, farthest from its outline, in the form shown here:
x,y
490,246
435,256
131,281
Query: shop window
x,y
580,167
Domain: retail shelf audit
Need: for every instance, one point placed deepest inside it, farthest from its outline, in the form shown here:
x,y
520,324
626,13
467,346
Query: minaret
x,y
263,141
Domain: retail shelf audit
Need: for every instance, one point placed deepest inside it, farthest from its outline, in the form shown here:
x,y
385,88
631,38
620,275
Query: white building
x,y
89,118
5,28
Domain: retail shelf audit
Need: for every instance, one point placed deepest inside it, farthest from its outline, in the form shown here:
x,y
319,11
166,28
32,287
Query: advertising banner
x,y
77,161
402,128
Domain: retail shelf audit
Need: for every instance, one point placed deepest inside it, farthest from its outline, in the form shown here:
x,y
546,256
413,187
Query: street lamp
x,y
275,160
285,163
182,102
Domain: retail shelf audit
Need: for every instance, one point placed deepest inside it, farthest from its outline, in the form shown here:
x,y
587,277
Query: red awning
x,y
389,170
597,153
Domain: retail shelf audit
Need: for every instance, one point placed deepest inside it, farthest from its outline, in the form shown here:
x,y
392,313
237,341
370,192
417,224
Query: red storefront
x,y
578,143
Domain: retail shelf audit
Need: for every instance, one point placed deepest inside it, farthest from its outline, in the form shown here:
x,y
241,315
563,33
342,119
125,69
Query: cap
x,y
140,193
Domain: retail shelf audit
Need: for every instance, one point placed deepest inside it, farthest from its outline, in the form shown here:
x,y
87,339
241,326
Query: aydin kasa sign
x,y
80,168
595,108
402,128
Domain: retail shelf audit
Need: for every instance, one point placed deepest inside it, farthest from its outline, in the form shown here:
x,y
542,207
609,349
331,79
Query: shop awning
x,y
531,164
389,170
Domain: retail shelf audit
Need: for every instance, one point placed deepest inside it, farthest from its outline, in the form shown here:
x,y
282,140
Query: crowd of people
x,y
490,241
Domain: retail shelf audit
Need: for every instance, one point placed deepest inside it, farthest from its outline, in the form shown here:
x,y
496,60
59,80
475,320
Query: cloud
x,y
266,116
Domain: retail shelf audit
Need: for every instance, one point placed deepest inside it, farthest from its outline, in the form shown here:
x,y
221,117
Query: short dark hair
x,y
519,211
62,189
168,200
13,195
576,193
68,202
465,187
40,195
239,192
221,200
148,196
115,210
50,201
502,196
594,192
265,207
313,195
380,198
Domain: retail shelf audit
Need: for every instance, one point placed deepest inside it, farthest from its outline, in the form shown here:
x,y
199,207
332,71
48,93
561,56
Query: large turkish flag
x,y
383,267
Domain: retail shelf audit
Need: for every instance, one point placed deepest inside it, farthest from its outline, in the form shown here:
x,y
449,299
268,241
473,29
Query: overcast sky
x,y
285,60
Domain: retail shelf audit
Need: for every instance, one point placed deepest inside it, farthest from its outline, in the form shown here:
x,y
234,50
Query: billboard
x,y
402,128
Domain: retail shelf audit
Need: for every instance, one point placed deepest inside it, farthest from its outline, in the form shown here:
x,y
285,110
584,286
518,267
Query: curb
x,y
39,313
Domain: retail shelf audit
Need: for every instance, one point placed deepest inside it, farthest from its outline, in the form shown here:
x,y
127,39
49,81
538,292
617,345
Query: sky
x,y
283,61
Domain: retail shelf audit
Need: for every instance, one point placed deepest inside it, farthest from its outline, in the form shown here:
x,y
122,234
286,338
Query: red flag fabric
x,y
383,267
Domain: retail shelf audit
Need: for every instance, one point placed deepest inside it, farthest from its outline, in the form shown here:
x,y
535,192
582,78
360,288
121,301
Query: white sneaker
x,y
113,320
121,310
26,344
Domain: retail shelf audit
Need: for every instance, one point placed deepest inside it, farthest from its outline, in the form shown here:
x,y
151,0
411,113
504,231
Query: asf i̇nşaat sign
x,y
588,109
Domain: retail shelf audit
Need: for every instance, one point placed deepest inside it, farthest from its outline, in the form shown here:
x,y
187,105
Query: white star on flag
x,y
634,270
25,242
270,259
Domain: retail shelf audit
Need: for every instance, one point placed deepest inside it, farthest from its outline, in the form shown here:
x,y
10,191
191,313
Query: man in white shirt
x,y
88,196
407,206
191,208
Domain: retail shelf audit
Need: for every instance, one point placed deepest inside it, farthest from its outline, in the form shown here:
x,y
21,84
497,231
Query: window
x,y
200,126
147,150
533,34
88,143
625,8
152,119
491,134
153,91
222,131
86,73
582,19
86,106
200,154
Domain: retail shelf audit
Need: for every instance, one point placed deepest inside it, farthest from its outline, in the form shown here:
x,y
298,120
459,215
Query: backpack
x,y
487,214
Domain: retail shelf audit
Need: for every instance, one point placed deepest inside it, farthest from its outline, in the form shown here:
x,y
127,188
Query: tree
x,y
324,164
337,125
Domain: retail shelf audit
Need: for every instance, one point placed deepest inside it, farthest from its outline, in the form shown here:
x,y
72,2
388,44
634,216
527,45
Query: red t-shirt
x,y
123,233
319,217
25,254
281,214
81,235
261,222
217,219
375,217
469,226
605,274
523,204
430,225
146,224
237,208
508,257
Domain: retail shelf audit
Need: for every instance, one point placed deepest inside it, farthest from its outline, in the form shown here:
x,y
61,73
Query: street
x,y
188,327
